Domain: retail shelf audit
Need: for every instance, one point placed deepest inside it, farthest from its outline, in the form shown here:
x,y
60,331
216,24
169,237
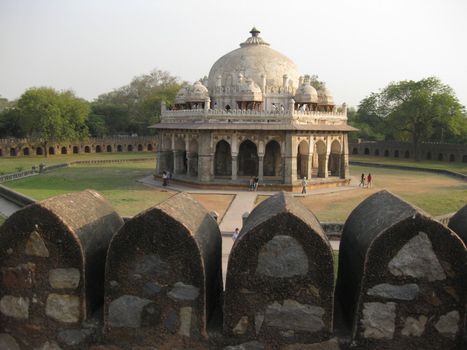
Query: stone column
x,y
188,160
234,166
260,167
205,158
176,161
310,159
290,160
345,169
326,166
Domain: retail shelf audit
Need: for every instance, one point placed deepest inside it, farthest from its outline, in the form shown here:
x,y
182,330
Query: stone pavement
x,y
243,202
7,208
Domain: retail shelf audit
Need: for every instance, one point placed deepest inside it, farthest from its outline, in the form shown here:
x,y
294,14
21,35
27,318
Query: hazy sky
x,y
355,46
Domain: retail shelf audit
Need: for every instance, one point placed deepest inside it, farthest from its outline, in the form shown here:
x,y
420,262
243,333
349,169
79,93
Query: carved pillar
x,y
188,161
345,170
205,158
309,165
260,167
290,159
234,166
326,166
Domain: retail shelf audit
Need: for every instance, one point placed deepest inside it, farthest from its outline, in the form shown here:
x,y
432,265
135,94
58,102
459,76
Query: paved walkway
x,y
243,202
7,208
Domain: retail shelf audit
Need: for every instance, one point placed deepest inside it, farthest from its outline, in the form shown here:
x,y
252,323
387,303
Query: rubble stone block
x,y
7,342
399,270
52,258
64,278
280,284
166,264
63,308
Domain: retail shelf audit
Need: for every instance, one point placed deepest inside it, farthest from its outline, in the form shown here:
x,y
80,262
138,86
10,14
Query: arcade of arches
x,y
207,157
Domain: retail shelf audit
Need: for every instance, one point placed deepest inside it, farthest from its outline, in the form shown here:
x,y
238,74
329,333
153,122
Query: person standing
x,y
369,178
256,182
164,178
235,234
304,184
251,184
362,181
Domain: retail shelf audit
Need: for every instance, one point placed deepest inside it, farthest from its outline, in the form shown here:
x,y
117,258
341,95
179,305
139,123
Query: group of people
x,y
253,183
365,181
166,177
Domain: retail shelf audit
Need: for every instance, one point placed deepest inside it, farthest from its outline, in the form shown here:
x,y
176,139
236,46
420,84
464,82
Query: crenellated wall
x,y
14,147
400,284
428,151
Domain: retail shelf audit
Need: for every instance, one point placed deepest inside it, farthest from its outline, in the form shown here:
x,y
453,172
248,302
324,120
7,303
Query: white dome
x,y
325,97
306,93
254,59
197,93
180,97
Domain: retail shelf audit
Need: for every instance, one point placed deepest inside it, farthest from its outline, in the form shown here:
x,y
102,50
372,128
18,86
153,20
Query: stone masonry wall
x,y
401,281
402,277
34,147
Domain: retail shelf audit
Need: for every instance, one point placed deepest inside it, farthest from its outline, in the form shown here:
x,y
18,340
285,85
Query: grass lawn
x,y
13,164
436,194
457,167
116,181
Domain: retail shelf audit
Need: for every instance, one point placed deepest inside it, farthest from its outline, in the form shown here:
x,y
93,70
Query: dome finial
x,y
254,31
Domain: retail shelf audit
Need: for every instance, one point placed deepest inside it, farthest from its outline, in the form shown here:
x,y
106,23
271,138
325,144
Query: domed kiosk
x,y
255,115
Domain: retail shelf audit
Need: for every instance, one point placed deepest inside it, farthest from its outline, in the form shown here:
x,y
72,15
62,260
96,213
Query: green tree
x,y
416,111
133,107
52,116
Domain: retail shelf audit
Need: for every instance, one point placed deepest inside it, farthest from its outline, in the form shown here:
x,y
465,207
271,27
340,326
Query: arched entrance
x,y
149,147
335,158
119,148
180,162
248,159
39,151
321,151
109,148
130,148
26,151
272,159
223,159
63,150
192,158
302,159
140,148
51,150
75,150
87,149
98,149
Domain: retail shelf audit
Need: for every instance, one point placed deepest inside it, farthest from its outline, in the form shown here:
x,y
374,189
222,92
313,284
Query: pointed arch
x,y
335,158
302,159
272,159
248,159
223,159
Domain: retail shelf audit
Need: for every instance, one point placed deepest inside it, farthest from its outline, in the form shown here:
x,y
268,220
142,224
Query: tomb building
x,y
254,115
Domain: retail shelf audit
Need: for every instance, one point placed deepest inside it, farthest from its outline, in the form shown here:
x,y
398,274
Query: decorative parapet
x,y
251,116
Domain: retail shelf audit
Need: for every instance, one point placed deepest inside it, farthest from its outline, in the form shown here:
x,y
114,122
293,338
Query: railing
x,y
252,116
89,140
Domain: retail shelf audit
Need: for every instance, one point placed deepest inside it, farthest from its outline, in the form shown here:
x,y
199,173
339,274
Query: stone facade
x,y
254,116
163,282
52,259
33,147
280,283
164,276
428,151
401,277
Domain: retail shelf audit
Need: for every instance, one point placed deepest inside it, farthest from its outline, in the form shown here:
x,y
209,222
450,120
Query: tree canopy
x,y
415,111
134,107
51,115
